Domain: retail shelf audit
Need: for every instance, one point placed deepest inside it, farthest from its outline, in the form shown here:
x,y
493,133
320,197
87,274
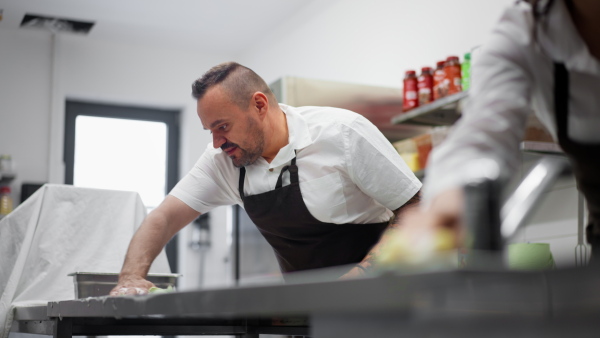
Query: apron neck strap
x,y
293,168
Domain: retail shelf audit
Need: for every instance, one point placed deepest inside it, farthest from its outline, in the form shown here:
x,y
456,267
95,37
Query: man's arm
x,y
153,234
397,220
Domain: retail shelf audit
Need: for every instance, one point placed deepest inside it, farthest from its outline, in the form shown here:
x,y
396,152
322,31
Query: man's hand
x,y
444,214
131,285
426,233
371,258
155,231
355,272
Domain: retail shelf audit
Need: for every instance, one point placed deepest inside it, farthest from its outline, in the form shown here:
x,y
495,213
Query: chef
x,y
321,184
543,56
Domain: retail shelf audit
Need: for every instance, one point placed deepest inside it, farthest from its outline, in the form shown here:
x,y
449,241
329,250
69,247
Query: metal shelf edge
x,y
429,108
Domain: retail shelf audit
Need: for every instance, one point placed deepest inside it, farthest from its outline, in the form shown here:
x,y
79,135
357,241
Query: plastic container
x,y
439,90
465,69
452,77
410,98
425,85
6,201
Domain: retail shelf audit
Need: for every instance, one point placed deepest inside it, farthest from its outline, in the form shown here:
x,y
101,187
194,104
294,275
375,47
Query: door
x,y
123,148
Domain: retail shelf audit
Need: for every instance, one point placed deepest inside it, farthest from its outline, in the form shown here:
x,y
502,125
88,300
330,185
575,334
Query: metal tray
x,y
95,284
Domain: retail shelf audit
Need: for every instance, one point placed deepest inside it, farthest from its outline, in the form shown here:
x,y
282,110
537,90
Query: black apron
x,y
300,241
585,158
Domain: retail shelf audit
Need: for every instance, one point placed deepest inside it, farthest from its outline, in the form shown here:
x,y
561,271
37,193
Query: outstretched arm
x,y
155,231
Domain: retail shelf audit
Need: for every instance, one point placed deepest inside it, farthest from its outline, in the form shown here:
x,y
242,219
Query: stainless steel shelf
x,y
442,112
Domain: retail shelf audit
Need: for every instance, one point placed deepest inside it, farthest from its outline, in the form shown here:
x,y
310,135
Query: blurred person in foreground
x,y
320,183
544,58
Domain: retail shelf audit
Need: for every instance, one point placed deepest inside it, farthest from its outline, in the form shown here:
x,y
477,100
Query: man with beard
x,y
321,184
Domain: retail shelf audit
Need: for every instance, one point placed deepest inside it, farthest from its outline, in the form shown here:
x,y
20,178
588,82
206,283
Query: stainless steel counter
x,y
442,304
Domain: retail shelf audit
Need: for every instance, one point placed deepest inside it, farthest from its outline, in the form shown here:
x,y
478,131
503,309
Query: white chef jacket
x,y
511,77
348,171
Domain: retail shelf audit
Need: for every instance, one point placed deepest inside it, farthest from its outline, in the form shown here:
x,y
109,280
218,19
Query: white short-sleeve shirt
x,y
348,171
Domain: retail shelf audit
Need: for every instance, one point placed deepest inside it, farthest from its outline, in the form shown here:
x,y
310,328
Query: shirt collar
x,y
299,136
563,42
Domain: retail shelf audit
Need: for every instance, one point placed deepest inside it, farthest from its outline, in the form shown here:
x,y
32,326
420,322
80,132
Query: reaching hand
x,y
131,285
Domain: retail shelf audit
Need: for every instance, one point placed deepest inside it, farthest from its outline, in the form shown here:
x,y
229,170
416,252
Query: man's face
x,y
237,132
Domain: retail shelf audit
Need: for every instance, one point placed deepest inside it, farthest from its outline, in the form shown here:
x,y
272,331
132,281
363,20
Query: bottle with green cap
x,y
465,69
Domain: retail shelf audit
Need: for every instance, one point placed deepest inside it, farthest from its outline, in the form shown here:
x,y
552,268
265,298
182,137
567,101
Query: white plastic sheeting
x,y
59,230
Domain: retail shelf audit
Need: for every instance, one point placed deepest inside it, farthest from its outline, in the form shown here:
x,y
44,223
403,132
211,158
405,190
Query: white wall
x,y
25,103
372,42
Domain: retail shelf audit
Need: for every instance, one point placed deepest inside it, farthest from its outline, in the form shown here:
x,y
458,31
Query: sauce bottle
x,y
452,79
425,85
439,90
410,98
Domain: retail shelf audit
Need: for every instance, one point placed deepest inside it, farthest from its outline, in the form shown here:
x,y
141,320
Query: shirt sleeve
x,y
375,166
494,119
208,184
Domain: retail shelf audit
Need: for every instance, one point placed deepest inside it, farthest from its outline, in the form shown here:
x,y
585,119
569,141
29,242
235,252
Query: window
x,y
123,148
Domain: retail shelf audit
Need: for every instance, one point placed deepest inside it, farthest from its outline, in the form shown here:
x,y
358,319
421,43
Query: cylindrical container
x,y
425,85
452,79
439,90
6,202
465,69
410,97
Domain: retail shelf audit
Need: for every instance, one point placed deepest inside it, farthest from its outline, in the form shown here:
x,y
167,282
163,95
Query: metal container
x,y
95,284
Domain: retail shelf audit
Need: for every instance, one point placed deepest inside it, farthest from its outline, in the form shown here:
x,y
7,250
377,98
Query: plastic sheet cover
x,y
59,230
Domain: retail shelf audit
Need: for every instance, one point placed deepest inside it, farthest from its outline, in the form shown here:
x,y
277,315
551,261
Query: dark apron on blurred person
x,y
300,241
585,158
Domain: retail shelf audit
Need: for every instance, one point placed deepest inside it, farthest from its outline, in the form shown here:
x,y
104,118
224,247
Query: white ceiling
x,y
215,26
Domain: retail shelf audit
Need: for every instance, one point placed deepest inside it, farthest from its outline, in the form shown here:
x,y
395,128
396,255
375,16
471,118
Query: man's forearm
x,y
396,221
145,246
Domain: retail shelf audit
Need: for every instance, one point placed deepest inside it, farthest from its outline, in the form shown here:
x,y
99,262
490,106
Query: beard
x,y
254,149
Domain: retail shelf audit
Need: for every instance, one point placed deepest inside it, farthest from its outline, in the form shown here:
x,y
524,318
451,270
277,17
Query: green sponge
x,y
154,289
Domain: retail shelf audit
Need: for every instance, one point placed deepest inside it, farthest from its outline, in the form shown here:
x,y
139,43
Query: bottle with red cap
x,y
452,79
439,90
410,98
425,85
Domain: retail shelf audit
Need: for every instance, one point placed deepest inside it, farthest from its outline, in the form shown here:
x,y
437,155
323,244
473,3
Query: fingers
x,y
123,291
131,286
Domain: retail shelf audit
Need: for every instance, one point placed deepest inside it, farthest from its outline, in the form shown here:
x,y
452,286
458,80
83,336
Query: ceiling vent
x,y
57,25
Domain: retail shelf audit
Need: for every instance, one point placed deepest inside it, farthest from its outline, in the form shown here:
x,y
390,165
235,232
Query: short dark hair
x,y
239,81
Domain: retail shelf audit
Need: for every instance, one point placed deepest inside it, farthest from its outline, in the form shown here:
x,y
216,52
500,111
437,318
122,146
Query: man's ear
x,y
260,103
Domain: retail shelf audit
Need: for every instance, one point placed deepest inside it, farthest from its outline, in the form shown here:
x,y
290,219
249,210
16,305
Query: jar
x,y
439,90
452,77
410,97
425,85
